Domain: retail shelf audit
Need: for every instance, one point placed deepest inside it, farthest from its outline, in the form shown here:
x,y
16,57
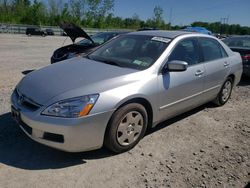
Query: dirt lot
x,y
207,147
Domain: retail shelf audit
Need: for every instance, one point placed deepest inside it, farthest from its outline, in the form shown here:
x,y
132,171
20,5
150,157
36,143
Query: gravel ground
x,y
206,147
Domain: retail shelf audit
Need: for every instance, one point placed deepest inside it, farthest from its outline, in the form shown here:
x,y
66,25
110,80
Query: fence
x,y
21,29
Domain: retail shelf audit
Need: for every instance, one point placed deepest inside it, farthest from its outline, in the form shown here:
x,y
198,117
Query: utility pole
x,y
170,16
223,22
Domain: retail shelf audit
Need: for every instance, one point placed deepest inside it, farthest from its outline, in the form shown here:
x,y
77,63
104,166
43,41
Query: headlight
x,y
72,108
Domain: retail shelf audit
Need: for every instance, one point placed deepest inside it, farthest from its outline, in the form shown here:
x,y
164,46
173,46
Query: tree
x,y
55,7
21,8
93,13
35,14
97,11
77,9
158,17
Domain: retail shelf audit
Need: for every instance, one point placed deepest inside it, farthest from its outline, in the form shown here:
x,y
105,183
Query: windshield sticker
x,y
137,62
161,39
141,63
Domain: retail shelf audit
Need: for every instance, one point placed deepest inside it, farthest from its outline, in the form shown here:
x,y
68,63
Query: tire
x,y
126,128
224,93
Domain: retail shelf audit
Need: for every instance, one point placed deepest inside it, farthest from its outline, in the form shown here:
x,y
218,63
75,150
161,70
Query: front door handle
x,y
199,73
226,64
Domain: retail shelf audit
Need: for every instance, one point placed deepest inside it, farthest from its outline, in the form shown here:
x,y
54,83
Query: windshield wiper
x,y
110,62
107,61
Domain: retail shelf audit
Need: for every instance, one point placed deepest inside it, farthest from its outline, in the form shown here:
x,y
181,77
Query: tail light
x,y
246,57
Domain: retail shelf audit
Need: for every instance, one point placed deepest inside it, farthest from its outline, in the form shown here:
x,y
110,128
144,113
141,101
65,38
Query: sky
x,y
184,12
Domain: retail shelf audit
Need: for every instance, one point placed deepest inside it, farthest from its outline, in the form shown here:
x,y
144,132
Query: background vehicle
x,y
148,29
127,85
241,44
35,31
49,32
84,46
202,30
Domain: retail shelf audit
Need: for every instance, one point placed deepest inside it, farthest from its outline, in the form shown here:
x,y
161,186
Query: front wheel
x,y
225,92
126,127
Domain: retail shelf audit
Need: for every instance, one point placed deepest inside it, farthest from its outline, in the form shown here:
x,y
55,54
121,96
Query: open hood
x,y
74,31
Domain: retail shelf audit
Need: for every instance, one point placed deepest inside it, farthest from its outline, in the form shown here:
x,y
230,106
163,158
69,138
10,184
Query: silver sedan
x,y
130,84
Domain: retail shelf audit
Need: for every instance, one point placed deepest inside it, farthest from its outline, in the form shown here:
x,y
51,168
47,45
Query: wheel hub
x,y
129,128
226,91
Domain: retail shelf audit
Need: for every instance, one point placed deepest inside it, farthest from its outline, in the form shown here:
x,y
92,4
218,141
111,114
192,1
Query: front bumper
x,y
67,134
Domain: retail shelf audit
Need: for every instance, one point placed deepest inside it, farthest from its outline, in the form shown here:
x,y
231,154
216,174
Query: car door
x,y
216,65
181,91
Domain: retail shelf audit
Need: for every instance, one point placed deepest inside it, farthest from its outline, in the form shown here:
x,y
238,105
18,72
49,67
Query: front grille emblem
x,y
20,99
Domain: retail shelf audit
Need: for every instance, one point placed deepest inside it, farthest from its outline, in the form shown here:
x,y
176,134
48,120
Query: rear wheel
x,y
126,127
225,92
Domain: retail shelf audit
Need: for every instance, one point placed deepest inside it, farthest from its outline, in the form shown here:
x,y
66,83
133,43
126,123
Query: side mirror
x,y
175,66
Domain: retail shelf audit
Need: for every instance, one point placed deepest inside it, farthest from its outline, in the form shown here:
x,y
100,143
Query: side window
x,y
186,50
223,52
211,49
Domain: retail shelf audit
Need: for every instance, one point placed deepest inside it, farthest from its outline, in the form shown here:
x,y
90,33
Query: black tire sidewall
x,y
111,141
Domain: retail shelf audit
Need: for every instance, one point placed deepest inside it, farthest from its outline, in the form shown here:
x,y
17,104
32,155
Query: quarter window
x,y
186,50
211,49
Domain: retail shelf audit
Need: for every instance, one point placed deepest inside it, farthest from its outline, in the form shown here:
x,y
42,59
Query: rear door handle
x,y
226,64
199,73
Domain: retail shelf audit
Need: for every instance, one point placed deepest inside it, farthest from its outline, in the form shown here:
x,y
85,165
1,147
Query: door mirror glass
x,y
176,66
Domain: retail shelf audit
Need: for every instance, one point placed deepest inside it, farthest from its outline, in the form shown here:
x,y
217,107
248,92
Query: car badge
x,y
20,99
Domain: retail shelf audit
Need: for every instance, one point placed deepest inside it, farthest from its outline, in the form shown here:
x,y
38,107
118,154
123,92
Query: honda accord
x,y
113,95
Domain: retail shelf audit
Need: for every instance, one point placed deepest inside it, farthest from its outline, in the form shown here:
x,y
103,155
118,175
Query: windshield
x,y
132,51
238,42
98,38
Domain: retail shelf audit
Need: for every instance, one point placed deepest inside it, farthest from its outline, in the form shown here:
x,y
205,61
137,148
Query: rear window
x,y
238,42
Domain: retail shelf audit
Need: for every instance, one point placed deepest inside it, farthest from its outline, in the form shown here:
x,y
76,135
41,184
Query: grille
x,y
24,101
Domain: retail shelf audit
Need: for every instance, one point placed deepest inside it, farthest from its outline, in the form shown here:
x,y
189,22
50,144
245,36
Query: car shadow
x,y
247,185
245,81
17,150
180,117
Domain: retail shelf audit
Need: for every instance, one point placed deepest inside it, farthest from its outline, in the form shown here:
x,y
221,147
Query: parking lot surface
x,y
206,147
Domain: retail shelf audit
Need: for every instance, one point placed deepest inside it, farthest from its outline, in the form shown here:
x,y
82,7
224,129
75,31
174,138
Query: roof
x,y
119,32
161,33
